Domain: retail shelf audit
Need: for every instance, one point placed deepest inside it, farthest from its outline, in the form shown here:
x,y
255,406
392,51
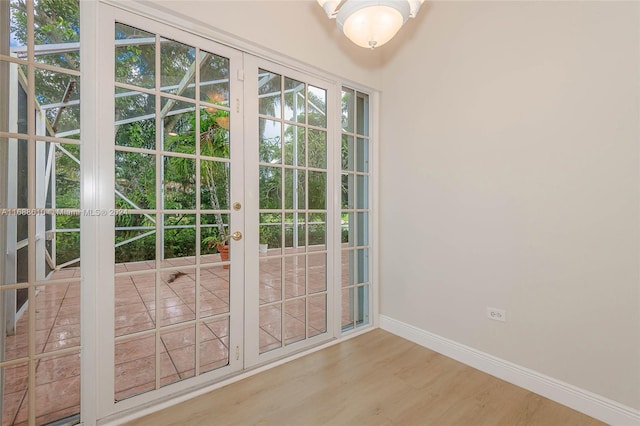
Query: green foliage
x,y
130,227
183,179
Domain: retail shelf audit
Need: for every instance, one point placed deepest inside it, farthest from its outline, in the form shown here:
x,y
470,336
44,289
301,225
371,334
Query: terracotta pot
x,y
223,249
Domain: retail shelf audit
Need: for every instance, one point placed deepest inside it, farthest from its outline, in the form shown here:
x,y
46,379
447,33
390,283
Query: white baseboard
x,y
586,402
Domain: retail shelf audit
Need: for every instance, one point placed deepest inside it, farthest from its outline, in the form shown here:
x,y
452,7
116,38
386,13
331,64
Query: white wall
x,y
510,178
296,29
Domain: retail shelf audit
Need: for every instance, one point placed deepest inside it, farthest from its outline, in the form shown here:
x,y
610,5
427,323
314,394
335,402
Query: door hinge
x,y
241,75
237,353
238,105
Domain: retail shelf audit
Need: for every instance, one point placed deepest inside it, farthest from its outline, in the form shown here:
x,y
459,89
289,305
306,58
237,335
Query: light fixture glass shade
x,y
372,23
373,26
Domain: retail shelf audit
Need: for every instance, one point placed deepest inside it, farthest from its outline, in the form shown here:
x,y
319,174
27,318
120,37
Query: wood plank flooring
x,y
373,379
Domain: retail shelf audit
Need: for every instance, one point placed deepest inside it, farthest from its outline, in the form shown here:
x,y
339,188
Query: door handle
x,y
237,235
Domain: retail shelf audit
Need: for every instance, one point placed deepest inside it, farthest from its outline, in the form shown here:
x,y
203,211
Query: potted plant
x,y
220,243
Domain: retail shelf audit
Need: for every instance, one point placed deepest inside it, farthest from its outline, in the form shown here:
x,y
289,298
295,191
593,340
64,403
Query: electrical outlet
x,y
496,314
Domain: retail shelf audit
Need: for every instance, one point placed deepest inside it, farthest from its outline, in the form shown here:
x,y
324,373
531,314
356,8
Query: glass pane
x,y
135,180
178,68
16,103
294,232
178,125
270,149
214,185
317,107
16,343
317,272
294,145
362,273
348,230
17,173
62,301
347,109
214,133
317,315
302,229
57,175
214,349
54,87
347,309
294,98
135,119
59,96
57,31
345,219
363,229
294,189
295,271
135,366
347,153
179,183
347,189
363,155
270,280
270,188
219,327
15,396
135,303
317,231
135,60
362,114
135,239
214,79
271,233
17,29
179,238
214,291
21,271
348,267
270,327
57,388
318,149
62,246
180,344
363,192
269,94
294,321
362,317
177,296
317,190
214,231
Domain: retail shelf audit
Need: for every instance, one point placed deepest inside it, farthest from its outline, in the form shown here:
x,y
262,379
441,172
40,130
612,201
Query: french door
x,y
217,245
288,127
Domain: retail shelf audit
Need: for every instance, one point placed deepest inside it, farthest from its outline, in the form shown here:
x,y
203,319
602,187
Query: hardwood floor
x,y
373,379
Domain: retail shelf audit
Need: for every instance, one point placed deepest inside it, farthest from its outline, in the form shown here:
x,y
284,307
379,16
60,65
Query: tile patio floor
x,y
58,327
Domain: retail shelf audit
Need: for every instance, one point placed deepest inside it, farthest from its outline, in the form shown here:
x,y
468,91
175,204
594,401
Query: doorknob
x,y
237,235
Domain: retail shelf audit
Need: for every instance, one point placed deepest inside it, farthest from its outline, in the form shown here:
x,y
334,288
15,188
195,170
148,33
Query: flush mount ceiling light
x,y
370,23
